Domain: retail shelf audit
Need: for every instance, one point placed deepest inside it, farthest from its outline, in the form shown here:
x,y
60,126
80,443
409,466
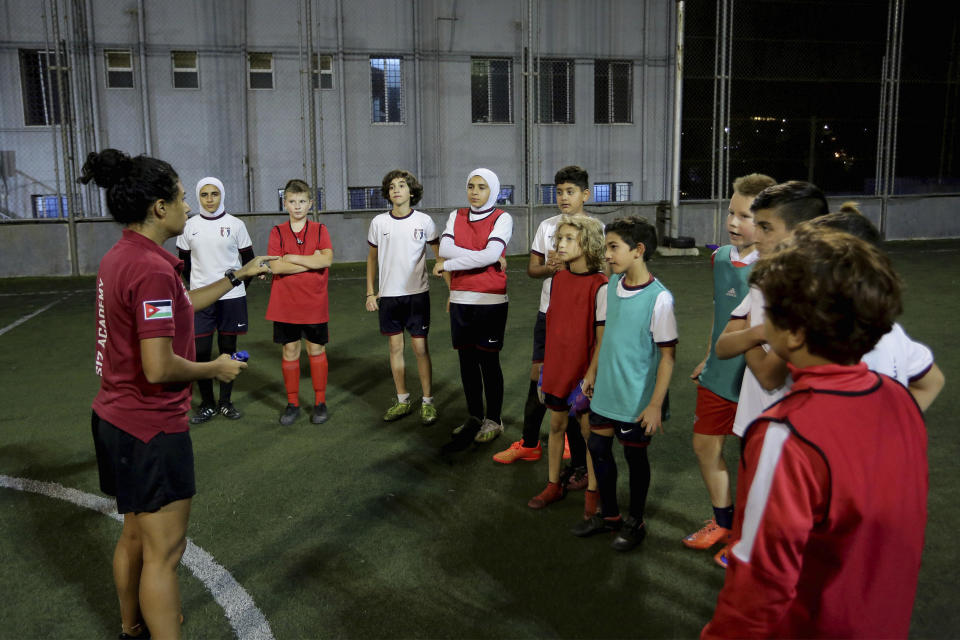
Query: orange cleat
x,y
722,555
517,451
710,534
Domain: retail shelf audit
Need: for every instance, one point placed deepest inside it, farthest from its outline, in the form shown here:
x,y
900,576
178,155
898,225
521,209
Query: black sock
x,y
578,446
533,412
472,381
492,382
204,345
724,516
601,448
639,466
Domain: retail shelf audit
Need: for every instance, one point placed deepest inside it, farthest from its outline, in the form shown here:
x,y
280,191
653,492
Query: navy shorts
x,y
224,316
479,326
628,433
405,312
539,337
143,476
285,333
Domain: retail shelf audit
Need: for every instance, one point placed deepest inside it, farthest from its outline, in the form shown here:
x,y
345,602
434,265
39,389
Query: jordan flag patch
x,y
157,309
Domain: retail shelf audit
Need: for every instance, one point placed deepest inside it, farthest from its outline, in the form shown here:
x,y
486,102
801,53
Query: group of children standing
x,y
800,298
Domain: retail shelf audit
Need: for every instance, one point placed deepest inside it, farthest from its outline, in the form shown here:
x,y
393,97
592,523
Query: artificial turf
x,y
359,528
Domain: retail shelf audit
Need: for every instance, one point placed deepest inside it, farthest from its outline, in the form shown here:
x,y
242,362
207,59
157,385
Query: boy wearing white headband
x,y
214,243
471,247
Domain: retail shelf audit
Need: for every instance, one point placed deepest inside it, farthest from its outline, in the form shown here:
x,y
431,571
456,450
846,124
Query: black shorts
x,y
628,433
539,337
285,333
405,312
225,316
143,476
479,326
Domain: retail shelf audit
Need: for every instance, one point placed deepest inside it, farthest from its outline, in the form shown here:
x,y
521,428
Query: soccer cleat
x,y
631,534
488,430
319,413
142,634
289,415
397,411
708,535
721,557
574,478
566,448
462,437
596,524
517,451
227,409
428,414
205,414
552,493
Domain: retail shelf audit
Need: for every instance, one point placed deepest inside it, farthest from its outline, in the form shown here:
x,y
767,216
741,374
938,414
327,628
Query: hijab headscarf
x,y
219,185
493,182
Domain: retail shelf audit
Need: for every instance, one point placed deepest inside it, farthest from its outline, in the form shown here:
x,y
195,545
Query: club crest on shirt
x,y
225,232
418,234
157,309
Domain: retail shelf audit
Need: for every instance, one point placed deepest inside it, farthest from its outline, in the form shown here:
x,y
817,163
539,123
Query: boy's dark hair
x,y
849,219
574,175
752,184
297,186
841,290
794,202
635,230
416,189
132,184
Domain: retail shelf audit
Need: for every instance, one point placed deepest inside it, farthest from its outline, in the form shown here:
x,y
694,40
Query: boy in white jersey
x,y
573,190
213,242
718,381
398,241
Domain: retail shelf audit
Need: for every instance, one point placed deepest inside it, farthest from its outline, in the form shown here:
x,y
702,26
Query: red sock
x,y
590,503
318,372
291,380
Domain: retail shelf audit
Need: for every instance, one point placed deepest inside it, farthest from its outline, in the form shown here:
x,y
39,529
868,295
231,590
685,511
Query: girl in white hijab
x,y
212,243
471,248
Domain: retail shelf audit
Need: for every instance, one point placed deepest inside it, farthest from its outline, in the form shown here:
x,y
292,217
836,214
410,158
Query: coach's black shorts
x,y
143,476
405,312
629,433
480,326
225,316
539,337
284,332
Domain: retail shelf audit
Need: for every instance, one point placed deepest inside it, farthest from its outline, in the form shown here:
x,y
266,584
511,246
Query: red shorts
x,y
714,415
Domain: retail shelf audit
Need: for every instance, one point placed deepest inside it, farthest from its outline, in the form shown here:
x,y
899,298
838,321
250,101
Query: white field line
x,y
246,620
19,322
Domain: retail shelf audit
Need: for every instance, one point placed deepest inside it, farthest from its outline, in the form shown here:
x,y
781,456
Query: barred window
x,y
491,85
322,71
367,198
45,206
548,194
612,191
386,85
555,91
506,194
40,87
319,200
186,74
612,91
260,70
119,72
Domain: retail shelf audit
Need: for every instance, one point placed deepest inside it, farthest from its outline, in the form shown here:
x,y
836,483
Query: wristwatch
x,y
234,280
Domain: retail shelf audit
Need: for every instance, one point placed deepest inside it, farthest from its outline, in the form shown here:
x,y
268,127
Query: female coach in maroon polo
x,y
144,356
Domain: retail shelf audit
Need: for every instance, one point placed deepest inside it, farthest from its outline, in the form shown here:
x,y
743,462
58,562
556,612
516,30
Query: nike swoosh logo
x,y
491,340
626,431
195,233
242,324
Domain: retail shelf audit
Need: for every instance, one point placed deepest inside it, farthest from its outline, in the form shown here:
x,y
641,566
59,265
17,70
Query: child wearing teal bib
x,y
628,382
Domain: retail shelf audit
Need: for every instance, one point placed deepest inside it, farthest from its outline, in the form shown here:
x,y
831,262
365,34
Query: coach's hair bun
x,y
106,168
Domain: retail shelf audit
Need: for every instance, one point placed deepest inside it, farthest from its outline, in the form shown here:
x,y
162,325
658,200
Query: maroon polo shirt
x,y
140,295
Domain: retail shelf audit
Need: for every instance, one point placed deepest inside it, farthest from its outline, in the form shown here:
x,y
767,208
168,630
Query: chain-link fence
x,y
858,97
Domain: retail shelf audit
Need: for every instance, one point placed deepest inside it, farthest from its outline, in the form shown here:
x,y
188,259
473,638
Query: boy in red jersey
x,y
298,299
832,498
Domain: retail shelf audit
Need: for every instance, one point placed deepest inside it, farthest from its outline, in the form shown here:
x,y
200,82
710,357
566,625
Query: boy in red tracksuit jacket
x,y
832,501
